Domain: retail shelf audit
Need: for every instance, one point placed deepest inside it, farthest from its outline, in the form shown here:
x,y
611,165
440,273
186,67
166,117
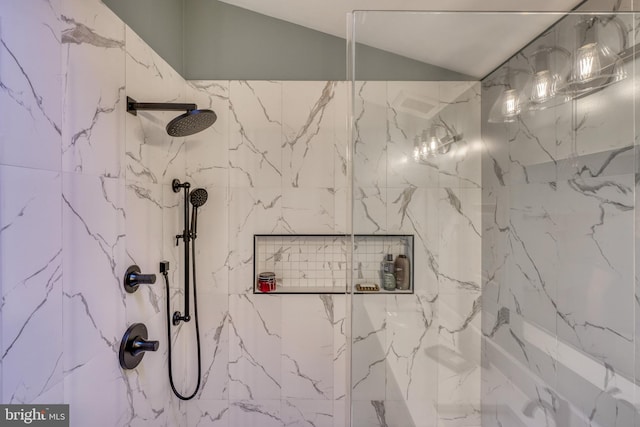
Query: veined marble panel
x,y
211,413
256,413
370,136
208,151
414,211
251,212
255,349
459,246
255,134
411,349
307,413
93,119
94,301
342,135
30,85
307,348
308,124
151,154
31,285
308,210
368,352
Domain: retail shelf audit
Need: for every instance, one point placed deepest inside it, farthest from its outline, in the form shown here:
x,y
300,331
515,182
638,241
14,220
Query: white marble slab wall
x,y
85,193
416,357
559,294
273,163
31,245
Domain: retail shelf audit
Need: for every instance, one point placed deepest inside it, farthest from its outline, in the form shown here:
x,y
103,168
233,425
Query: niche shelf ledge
x,y
318,263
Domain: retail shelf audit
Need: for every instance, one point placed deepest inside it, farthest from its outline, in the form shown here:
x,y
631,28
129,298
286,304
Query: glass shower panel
x,y
512,162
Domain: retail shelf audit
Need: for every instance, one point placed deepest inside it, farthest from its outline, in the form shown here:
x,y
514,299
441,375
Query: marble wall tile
x,y
307,348
368,352
459,225
251,212
116,406
151,154
337,304
369,205
255,413
305,412
255,342
370,132
213,312
255,134
93,219
308,134
341,134
213,413
31,277
93,120
459,371
415,211
308,210
31,88
94,243
412,358
208,151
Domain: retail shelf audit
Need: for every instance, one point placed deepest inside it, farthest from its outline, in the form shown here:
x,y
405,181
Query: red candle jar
x,y
267,282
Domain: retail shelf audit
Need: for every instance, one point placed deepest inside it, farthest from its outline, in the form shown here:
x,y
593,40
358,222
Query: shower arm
x,y
186,237
133,106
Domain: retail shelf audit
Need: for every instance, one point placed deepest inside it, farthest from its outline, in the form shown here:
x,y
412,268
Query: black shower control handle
x,y
134,345
133,278
140,345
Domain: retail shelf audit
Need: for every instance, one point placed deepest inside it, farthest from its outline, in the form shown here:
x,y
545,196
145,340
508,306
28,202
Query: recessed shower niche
x,y
317,263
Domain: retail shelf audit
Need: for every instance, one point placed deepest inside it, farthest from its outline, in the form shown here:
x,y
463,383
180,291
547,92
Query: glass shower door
x,y
515,176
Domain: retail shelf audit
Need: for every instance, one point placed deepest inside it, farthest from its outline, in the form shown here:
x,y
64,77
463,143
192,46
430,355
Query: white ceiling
x,y
472,44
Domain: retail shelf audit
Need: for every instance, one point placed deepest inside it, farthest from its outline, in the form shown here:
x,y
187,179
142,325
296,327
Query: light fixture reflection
x,y
508,106
434,142
596,65
546,79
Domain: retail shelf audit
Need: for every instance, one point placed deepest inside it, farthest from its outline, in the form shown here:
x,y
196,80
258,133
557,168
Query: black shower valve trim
x,y
133,278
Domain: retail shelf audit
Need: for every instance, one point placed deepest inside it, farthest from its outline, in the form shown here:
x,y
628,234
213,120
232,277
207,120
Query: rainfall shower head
x,y
193,121
198,197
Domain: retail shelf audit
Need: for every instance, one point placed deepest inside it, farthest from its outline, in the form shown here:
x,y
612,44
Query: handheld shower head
x,y
197,197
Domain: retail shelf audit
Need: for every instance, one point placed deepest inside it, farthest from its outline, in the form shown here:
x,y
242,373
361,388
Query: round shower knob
x,y
134,344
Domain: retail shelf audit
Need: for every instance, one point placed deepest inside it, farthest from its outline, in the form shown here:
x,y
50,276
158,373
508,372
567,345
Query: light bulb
x,y
543,88
416,153
510,104
587,64
424,150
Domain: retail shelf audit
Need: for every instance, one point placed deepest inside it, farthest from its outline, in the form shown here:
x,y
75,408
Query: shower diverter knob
x,y
134,344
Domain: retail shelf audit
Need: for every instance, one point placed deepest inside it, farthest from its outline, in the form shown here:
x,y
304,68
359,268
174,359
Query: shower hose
x,y
195,311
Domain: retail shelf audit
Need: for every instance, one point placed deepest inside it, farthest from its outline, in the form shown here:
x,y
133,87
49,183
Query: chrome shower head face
x,y
193,121
198,197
